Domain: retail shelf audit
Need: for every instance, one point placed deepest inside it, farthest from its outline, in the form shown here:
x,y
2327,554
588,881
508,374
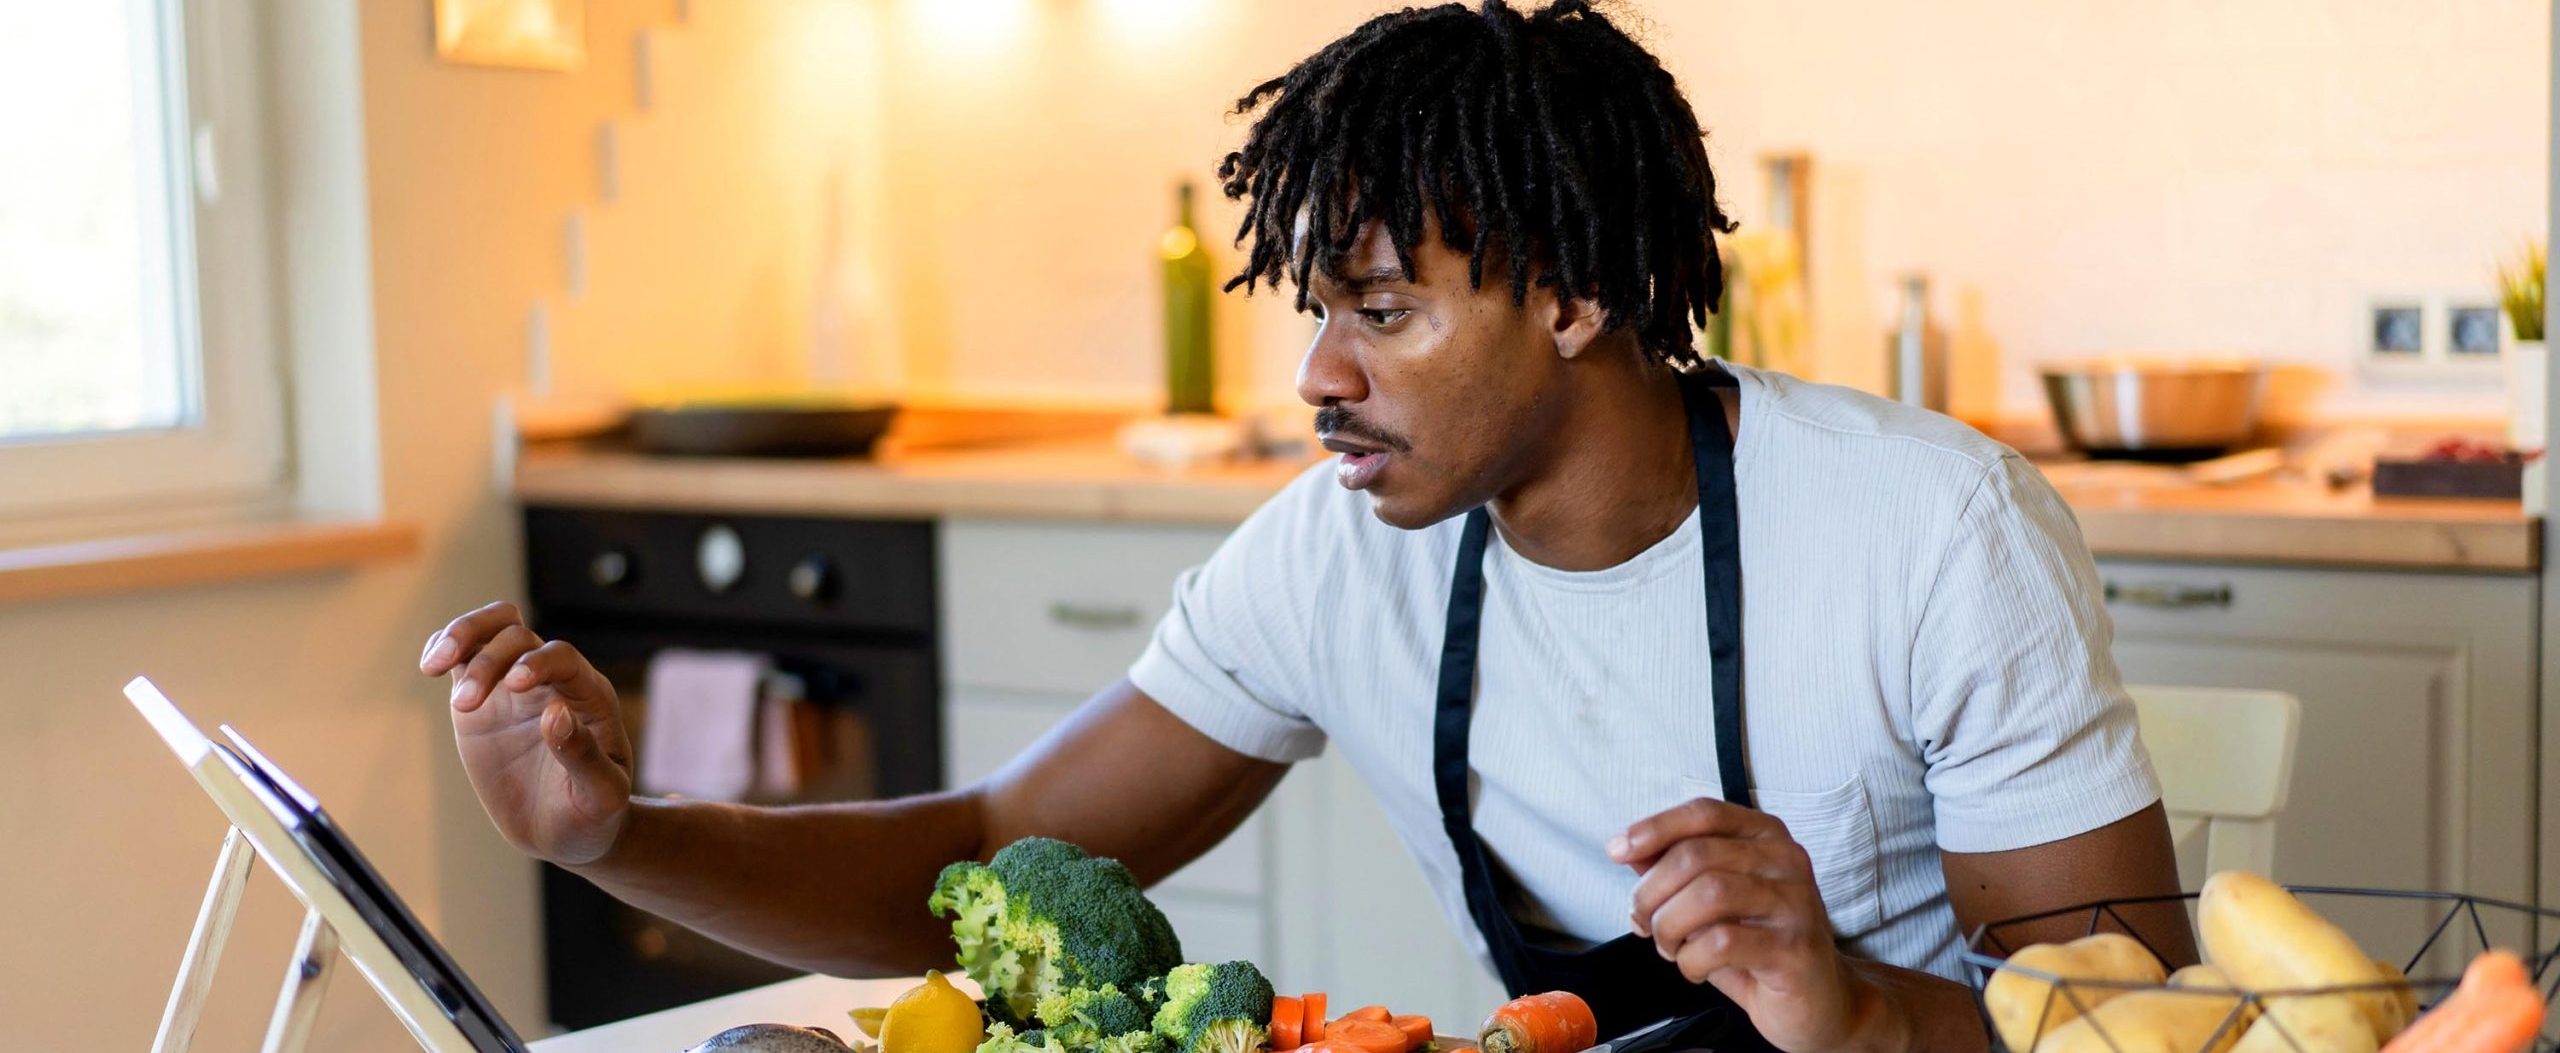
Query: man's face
x,y
1438,395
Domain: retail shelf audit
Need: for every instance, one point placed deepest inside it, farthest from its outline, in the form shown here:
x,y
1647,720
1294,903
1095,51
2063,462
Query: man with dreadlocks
x,y
1521,613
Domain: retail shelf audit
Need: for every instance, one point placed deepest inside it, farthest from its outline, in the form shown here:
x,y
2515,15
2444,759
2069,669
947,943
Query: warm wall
x,y
2079,177
703,271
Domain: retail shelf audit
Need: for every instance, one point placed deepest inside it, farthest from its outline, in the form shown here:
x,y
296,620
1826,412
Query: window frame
x,y
233,458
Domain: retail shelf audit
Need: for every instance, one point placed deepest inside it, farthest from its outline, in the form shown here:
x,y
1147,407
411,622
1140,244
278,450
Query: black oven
x,y
845,610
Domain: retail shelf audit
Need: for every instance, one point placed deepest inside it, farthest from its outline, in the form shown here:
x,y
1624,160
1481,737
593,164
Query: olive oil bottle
x,y
1190,372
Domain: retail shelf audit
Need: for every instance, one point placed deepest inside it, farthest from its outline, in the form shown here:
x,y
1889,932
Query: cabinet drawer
x,y
1214,929
1052,606
984,729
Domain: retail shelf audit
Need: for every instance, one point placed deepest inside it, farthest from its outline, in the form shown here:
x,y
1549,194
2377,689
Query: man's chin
x,y
1402,512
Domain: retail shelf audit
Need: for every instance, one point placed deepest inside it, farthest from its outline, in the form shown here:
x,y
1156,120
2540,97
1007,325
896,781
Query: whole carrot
x,y
1553,1022
2496,1009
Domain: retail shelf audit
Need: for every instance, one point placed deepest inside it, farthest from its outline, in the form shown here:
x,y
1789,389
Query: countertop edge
x,y
1091,487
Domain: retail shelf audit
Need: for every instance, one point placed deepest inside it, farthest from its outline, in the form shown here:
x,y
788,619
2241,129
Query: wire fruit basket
x,y
2428,937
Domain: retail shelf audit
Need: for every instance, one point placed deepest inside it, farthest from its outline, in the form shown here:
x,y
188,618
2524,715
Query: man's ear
x,y
1577,323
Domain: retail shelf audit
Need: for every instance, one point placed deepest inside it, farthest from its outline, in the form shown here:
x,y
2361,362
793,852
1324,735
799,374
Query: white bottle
x,y
1916,351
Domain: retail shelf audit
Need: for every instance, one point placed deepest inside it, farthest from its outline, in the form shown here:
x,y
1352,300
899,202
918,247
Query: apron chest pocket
x,y
1838,830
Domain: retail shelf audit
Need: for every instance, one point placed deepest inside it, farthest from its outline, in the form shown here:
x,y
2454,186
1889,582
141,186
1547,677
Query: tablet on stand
x,y
350,908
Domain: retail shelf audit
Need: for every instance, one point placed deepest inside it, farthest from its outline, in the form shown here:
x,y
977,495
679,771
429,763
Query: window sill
x,y
204,556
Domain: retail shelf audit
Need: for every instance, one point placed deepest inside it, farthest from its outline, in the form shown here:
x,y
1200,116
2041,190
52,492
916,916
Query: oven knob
x,y
611,569
720,557
813,579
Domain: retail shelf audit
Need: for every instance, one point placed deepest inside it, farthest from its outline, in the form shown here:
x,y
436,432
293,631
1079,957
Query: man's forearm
x,y
1903,1011
837,888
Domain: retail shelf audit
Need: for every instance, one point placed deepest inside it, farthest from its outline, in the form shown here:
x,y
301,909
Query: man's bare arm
x,y
840,888
837,887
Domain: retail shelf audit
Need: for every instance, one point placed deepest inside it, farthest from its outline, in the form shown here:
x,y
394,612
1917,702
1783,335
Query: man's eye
x,y
1383,317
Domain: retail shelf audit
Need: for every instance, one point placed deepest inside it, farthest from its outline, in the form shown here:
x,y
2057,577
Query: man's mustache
x,y
1335,420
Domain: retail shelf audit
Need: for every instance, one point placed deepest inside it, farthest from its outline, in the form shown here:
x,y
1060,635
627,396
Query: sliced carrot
x,y
1370,1012
1329,1046
1553,1022
1288,1015
1417,1029
1311,1021
2496,1009
1372,1036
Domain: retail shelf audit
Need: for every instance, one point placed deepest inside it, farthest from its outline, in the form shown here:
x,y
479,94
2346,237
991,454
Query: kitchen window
x,y
138,361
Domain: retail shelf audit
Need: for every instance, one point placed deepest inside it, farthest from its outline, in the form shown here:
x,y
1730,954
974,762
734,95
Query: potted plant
x,y
2520,286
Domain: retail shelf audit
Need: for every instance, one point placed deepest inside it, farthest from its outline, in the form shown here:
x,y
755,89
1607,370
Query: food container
x,y
2152,409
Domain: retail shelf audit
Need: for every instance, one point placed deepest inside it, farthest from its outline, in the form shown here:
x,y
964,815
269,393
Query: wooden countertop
x,y
1060,479
2122,515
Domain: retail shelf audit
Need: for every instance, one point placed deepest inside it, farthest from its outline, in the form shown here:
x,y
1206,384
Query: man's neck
x,y
1620,477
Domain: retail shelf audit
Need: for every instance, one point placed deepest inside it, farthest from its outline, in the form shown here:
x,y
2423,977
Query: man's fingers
x,y
1713,898
569,740
455,643
1730,946
556,663
1685,861
472,685
1702,817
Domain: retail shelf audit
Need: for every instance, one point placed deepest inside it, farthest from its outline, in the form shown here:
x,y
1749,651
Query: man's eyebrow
x,y
1373,276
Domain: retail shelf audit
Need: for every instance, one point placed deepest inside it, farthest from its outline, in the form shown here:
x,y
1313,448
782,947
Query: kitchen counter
x,y
2121,515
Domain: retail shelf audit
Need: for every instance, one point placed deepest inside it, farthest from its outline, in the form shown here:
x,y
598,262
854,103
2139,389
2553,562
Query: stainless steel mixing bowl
x,y
2154,409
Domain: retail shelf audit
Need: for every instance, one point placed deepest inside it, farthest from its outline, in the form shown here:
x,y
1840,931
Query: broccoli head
x,y
1082,1017
1224,1008
1042,919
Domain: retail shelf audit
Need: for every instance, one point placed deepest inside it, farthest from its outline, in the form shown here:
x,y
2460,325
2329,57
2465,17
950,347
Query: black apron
x,y
1625,980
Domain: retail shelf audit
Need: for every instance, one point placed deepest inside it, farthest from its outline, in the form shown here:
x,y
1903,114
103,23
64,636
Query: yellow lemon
x,y
932,1017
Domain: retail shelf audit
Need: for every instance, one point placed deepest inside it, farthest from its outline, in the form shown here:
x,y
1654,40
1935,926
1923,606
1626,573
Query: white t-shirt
x,y
1925,668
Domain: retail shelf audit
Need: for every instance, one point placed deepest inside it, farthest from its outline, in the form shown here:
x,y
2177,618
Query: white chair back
x,y
2225,758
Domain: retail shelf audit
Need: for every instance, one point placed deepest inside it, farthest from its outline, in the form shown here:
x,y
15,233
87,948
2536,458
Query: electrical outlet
x,y
2432,335
2395,332
2473,331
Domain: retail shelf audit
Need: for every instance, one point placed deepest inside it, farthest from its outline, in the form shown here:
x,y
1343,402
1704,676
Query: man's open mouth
x,y
1361,460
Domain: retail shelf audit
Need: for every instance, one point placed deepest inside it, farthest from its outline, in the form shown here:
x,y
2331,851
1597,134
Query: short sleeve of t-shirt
x,y
1230,657
2024,726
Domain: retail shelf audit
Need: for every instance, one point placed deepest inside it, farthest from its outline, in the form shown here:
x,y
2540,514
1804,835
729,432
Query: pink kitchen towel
x,y
701,735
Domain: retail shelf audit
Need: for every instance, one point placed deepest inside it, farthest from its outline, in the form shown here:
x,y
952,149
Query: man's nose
x,y
1330,373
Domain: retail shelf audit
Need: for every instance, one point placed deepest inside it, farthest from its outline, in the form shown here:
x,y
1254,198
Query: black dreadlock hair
x,y
1551,140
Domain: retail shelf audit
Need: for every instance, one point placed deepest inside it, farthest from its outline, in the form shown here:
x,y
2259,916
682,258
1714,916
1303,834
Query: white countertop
x,y
810,1001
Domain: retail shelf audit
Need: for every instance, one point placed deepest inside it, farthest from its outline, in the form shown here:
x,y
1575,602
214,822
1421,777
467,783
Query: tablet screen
x,y
347,868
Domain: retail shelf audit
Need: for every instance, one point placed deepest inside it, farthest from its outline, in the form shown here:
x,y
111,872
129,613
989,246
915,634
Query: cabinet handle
x,y
2170,597
1093,617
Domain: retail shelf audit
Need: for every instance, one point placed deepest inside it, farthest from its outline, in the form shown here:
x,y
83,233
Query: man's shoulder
x,y
1862,424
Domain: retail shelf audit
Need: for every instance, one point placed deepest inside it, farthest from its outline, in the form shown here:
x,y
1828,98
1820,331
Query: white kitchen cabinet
x,y
2415,767
1057,606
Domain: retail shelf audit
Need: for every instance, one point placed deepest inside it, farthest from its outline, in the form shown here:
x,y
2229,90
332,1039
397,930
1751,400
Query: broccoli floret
x,y
1133,1042
1082,1017
1224,1008
1043,919
1001,1038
